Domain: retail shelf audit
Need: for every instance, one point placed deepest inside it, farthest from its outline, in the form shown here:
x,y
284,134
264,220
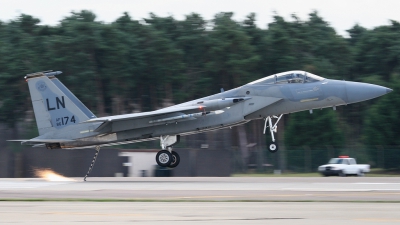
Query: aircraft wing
x,y
146,119
144,114
174,114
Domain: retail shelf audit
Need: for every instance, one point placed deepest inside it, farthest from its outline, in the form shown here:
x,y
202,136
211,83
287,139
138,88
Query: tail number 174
x,y
61,121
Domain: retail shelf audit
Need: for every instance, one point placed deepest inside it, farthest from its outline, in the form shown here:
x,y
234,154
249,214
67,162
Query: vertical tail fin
x,y
54,105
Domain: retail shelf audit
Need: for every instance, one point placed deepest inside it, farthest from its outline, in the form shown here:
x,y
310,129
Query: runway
x,y
202,200
308,213
357,189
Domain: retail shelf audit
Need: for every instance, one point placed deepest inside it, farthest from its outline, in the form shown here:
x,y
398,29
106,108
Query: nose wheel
x,y
272,147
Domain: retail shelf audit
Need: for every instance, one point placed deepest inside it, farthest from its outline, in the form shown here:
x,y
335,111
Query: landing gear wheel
x,y
175,160
164,158
272,147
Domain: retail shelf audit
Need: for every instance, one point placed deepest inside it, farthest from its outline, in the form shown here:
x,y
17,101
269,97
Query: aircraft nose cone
x,y
357,92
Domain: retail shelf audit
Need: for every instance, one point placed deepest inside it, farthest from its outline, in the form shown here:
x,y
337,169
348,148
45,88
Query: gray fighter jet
x,y
64,122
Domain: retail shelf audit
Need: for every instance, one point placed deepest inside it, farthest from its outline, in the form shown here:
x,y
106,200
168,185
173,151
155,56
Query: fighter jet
x,y
65,123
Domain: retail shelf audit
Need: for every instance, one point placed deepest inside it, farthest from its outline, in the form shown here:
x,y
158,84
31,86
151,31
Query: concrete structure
x,y
194,162
140,163
115,162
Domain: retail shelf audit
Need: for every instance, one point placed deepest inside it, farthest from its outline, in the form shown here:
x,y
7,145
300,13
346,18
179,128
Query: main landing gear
x,y
273,128
167,157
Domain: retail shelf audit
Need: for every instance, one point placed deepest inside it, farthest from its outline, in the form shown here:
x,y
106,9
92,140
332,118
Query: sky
x,y
341,14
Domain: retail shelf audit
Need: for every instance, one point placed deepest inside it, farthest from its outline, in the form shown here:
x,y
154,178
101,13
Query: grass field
x,y
376,172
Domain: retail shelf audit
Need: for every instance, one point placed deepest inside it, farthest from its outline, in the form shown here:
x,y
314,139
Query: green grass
x,y
276,175
376,172
386,172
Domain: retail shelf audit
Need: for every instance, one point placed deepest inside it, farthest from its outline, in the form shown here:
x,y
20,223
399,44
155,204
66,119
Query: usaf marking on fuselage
x,y
64,122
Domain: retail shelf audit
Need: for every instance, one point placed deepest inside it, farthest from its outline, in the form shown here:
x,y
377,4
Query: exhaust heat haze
x,y
50,175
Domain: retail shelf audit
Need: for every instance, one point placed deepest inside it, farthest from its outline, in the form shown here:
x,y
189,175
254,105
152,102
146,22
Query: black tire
x,y
360,174
342,174
175,160
273,147
164,158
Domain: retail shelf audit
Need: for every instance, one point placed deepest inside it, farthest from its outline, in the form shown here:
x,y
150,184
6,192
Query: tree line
x,y
139,65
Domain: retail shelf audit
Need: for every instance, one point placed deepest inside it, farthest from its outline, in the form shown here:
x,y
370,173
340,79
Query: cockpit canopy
x,y
296,76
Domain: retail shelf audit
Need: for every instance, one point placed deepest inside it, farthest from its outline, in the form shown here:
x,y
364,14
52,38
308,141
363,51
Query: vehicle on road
x,y
343,166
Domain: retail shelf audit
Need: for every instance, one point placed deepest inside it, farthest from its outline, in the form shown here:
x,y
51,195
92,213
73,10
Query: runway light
x,y
50,175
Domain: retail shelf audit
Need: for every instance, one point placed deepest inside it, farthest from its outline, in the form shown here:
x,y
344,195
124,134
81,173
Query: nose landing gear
x,y
273,128
167,157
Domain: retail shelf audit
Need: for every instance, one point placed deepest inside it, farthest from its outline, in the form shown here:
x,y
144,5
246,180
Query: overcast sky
x,y
341,14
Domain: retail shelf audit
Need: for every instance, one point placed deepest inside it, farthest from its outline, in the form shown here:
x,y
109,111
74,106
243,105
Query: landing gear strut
x,y
273,128
167,157
93,161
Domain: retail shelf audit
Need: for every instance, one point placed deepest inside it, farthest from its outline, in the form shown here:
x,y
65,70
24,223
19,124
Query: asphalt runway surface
x,y
202,200
365,189
288,213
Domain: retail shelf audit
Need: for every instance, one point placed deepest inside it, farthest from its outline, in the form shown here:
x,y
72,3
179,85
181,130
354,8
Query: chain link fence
x,y
304,159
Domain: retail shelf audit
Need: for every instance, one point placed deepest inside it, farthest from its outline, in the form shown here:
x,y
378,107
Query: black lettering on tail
x,y
59,102
48,105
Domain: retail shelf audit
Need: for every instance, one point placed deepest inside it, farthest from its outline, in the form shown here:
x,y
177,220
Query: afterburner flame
x,y
50,175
